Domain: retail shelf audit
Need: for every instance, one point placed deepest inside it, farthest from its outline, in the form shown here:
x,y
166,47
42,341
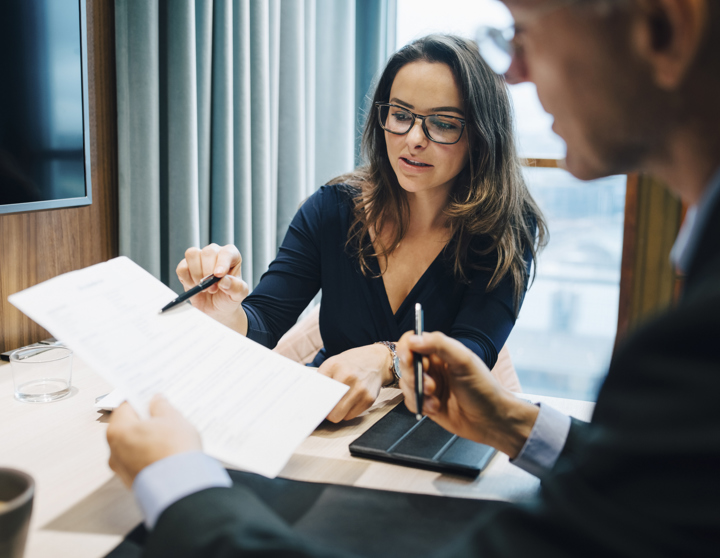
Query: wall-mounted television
x,y
44,130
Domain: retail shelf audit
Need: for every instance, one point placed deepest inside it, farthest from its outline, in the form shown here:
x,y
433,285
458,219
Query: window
x,y
563,339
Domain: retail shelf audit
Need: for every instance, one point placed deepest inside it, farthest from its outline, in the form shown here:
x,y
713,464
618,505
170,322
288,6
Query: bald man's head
x,y
623,78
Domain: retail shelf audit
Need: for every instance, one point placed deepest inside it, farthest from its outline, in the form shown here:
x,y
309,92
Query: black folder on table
x,y
399,438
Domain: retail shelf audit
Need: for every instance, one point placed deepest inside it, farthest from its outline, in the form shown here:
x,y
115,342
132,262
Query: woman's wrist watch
x,y
395,367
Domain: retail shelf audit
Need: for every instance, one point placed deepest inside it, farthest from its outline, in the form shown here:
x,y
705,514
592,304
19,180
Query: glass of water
x,y
42,373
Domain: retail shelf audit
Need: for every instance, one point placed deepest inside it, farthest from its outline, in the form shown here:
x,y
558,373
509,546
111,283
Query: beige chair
x,y
303,341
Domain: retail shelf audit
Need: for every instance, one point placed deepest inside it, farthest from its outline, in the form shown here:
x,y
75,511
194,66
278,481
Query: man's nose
x,y
517,72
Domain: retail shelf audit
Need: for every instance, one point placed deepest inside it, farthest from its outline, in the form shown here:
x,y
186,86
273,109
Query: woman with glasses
x,y
439,214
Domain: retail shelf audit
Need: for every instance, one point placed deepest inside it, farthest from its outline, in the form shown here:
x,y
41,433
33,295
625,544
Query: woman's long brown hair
x,y
490,209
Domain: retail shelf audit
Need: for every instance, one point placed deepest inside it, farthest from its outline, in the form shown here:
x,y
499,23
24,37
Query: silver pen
x,y
417,364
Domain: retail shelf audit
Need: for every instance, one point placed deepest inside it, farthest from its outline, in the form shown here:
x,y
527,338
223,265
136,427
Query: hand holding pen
x,y
223,289
204,284
461,395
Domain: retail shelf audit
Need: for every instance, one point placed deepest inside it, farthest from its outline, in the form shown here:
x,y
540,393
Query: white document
x,y
110,401
252,406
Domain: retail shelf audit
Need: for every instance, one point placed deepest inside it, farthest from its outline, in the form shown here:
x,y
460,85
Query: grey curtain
x,y
230,113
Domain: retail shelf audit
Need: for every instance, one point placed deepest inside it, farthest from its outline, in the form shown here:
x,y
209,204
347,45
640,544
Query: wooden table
x,y
82,510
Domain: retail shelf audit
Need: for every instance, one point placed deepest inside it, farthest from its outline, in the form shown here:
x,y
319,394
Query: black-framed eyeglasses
x,y
437,127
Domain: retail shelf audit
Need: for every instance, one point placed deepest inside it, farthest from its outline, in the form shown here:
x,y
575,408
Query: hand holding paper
x,y
135,443
252,407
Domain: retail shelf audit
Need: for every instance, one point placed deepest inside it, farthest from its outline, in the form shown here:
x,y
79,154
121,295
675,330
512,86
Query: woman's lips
x,y
414,166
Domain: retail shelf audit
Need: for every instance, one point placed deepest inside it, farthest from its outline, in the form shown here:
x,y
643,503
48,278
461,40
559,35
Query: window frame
x,y
648,280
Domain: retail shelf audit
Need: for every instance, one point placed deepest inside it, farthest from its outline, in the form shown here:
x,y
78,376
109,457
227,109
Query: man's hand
x,y
462,396
135,443
365,370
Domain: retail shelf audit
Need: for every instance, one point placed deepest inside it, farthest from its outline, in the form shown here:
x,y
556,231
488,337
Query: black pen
x,y
417,364
208,281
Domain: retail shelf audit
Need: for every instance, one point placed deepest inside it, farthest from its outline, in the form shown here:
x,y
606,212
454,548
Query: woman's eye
x,y
401,116
445,125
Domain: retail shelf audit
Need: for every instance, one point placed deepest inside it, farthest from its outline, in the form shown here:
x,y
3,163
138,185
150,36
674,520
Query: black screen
x,y
41,102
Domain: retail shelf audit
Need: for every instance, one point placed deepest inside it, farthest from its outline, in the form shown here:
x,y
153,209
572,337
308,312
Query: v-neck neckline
x,y
397,316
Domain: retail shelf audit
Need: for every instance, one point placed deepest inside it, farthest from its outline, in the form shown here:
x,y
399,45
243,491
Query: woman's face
x,y
421,165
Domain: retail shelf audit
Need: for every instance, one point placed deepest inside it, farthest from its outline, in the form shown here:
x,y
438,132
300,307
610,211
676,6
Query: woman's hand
x,y
365,370
223,300
462,396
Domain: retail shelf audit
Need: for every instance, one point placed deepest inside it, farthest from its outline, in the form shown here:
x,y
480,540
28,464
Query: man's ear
x,y
668,34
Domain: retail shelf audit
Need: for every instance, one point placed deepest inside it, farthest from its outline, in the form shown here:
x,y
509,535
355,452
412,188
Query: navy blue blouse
x,y
355,310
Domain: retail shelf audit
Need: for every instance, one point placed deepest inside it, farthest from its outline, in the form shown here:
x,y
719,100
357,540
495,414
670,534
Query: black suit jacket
x,y
642,479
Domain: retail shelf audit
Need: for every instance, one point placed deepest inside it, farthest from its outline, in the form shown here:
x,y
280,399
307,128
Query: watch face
x,y
396,367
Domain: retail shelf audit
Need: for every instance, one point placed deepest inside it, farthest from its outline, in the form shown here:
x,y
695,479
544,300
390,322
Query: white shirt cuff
x,y
163,483
545,442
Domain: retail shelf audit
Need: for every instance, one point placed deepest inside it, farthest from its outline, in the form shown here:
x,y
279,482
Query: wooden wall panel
x,y
39,245
543,163
629,255
648,279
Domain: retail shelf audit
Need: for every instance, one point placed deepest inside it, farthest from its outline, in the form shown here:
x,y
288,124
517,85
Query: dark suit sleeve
x,y
224,523
577,433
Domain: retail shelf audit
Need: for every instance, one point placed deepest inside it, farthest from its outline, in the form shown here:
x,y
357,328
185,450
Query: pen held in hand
x,y
417,364
206,283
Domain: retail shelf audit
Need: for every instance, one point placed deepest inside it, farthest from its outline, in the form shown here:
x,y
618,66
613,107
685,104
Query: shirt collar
x,y
692,228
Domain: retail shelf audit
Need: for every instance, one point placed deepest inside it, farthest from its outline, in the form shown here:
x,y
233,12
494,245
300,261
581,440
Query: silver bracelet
x,y
395,368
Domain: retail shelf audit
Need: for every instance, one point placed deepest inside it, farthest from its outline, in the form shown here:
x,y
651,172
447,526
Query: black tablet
x,y
401,439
